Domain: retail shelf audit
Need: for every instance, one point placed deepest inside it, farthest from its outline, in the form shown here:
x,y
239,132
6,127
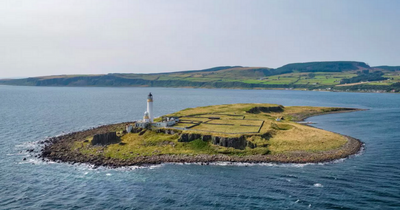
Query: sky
x,y
54,37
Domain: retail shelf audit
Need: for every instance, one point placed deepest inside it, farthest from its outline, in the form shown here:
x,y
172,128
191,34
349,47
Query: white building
x,y
148,118
128,128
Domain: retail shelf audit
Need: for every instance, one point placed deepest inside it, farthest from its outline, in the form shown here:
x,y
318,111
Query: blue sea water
x,y
370,180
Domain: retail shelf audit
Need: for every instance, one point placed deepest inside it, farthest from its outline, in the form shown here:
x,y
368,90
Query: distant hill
x,y
388,68
330,66
312,75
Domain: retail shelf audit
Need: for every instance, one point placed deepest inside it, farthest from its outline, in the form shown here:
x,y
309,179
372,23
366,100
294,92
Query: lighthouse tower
x,y
146,117
150,107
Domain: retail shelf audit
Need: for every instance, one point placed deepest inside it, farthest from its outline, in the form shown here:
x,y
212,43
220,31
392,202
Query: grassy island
x,y
232,132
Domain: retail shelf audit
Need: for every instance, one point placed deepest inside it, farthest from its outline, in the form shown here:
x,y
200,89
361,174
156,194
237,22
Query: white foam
x,y
245,164
318,185
108,174
30,145
35,161
156,166
361,151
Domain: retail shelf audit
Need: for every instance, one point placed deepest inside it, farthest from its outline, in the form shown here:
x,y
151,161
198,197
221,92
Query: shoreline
x,y
209,88
58,149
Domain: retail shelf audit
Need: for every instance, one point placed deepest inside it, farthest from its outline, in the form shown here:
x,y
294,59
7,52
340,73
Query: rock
x,y
160,130
251,145
256,110
237,143
215,140
194,136
170,132
184,137
136,130
206,137
268,135
105,138
142,132
188,137
24,159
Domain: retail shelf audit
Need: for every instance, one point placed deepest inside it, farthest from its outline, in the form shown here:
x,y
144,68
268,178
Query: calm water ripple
x,y
29,114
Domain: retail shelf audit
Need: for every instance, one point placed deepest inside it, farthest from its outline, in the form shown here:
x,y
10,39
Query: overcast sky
x,y
52,37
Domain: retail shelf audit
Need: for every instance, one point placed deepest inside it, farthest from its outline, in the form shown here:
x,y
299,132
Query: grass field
x,y
260,129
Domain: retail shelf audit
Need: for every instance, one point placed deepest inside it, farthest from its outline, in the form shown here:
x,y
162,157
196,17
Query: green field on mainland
x,y
252,121
332,75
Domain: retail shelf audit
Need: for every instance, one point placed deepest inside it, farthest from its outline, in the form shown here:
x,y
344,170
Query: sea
x,y
367,180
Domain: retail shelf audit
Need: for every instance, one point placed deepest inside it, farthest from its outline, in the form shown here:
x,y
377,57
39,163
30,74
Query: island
x,y
252,133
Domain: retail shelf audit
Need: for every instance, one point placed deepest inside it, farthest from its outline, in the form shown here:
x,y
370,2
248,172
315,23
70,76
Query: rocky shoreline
x,y
59,149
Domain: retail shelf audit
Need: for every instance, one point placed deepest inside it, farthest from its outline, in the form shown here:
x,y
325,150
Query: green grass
x,y
287,136
226,128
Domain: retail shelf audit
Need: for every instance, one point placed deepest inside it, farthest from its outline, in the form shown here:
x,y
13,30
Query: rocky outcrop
x,y
251,145
235,142
259,109
136,130
105,138
142,132
206,137
166,131
188,137
268,135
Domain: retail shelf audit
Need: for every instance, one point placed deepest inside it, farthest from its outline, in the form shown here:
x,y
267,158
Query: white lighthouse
x,y
148,119
150,107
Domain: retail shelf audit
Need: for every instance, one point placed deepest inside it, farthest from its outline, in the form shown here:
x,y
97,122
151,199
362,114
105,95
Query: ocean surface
x,y
369,180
